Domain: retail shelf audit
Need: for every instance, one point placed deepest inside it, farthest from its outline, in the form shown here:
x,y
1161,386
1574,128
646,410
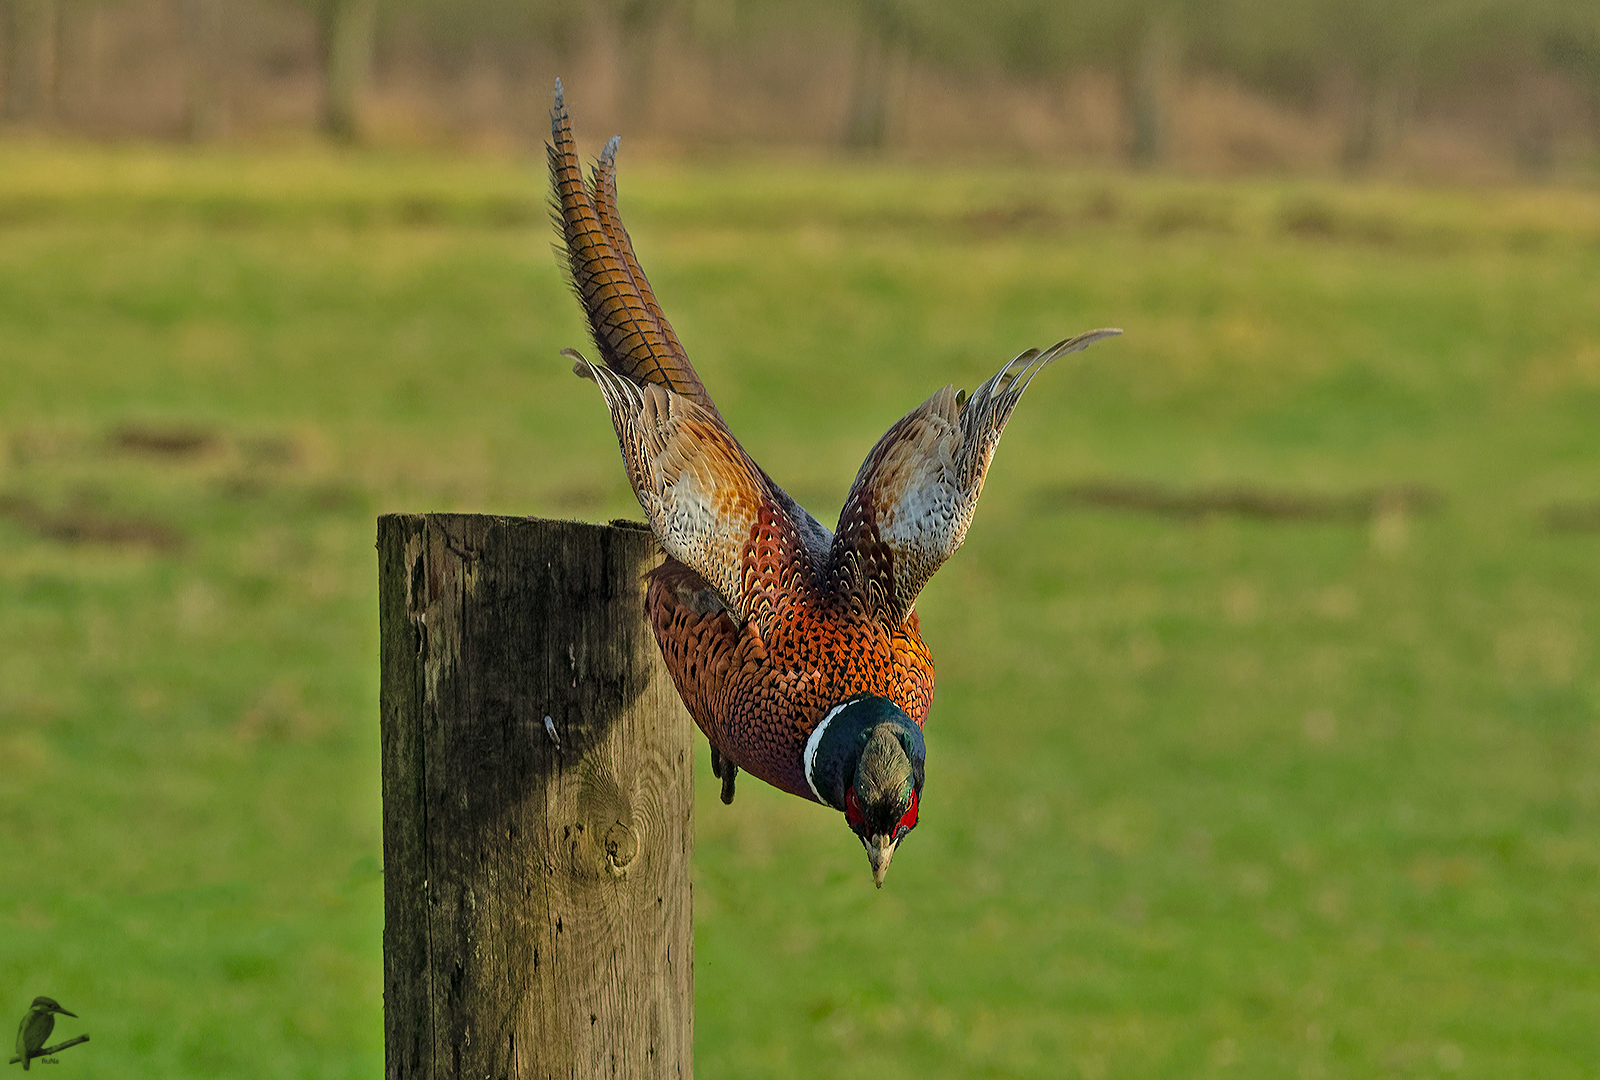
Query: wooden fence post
x,y
537,805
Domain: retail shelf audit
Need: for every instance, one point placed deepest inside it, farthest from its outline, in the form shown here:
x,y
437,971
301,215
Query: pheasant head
x,y
866,758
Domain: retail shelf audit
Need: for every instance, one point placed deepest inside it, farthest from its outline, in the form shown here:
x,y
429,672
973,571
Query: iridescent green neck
x,y
868,742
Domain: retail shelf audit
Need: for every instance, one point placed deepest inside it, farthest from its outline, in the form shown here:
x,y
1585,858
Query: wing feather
x,y
709,504
912,501
699,489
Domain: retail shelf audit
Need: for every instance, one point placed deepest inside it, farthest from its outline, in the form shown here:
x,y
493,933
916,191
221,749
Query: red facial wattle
x,y
908,820
852,809
857,817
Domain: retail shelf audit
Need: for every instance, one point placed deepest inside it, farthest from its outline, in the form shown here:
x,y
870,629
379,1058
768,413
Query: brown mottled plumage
x,y
769,623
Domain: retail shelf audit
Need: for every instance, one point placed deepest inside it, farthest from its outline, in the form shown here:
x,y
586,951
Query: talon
x,y
730,770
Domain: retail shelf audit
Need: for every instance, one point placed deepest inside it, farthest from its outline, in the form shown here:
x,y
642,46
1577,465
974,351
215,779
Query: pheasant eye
x,y
852,809
908,820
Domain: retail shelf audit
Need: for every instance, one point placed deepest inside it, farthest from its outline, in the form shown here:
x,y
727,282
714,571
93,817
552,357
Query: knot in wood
x,y
621,845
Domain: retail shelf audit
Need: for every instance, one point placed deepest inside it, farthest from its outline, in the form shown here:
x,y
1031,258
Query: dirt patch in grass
x,y
78,525
1573,517
1243,500
173,442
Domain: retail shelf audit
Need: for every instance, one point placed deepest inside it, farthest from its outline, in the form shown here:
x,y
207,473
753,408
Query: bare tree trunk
x,y
881,54
80,54
349,35
1377,118
638,27
31,65
1578,54
210,111
1148,82
1533,125
867,125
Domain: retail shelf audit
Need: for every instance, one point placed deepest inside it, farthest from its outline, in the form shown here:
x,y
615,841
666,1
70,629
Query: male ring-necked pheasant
x,y
796,650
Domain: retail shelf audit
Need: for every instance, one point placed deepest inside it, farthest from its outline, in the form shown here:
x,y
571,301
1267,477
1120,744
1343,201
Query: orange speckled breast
x,y
757,697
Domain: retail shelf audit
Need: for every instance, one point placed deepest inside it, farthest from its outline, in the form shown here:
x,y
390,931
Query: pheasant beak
x,y
880,849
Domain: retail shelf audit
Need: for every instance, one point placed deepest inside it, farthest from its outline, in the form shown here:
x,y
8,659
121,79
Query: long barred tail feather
x,y
633,336
603,187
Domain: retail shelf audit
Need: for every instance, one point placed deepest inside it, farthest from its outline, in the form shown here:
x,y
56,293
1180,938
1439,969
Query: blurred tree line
x,y
1379,54
1379,59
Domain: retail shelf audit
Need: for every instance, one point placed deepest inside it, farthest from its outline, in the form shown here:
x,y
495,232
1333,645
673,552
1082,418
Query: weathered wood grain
x,y
536,896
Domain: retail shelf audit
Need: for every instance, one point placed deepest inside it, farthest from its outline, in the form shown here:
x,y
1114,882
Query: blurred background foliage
x,y
1439,87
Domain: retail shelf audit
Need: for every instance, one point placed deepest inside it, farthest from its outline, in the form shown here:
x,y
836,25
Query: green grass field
x,y
1214,796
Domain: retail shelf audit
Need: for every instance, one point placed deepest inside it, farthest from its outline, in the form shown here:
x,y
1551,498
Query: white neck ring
x,y
813,744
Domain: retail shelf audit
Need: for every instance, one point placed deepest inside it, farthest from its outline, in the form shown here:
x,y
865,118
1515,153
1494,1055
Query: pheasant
x,y
796,650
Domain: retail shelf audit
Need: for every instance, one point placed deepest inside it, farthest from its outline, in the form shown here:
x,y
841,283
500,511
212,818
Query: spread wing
x,y
710,505
913,499
700,490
